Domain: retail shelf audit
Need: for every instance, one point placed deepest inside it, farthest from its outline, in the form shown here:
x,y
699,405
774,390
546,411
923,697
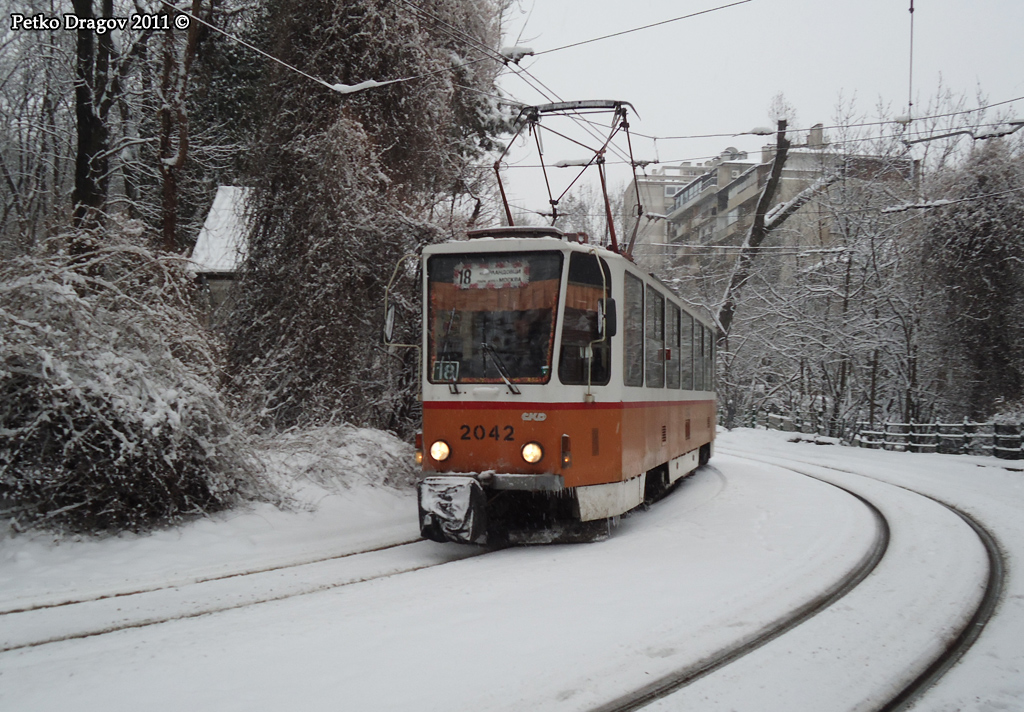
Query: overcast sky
x,y
718,72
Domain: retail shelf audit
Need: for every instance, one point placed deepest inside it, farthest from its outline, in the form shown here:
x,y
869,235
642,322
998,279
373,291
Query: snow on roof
x,y
220,246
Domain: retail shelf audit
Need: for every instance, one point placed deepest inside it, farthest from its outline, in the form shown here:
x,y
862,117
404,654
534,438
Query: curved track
x,y
57,601
667,685
916,680
986,607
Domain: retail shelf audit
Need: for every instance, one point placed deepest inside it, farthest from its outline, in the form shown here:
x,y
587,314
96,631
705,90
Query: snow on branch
x,y
781,212
361,86
515,54
918,206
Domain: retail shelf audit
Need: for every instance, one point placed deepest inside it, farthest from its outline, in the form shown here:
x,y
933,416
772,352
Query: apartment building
x,y
711,215
657,190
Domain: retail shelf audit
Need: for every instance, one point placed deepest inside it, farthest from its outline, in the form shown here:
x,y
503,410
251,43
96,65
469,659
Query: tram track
x,y
915,683
133,607
985,609
676,680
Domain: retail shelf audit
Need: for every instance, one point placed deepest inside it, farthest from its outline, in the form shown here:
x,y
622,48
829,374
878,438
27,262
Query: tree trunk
x,y
174,120
92,66
741,273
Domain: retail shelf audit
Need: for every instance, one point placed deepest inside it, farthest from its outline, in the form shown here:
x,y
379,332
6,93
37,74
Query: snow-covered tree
x,y
346,184
37,144
110,415
896,295
973,248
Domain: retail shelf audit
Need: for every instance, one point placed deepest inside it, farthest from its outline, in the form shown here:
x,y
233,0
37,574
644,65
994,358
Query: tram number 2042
x,y
479,432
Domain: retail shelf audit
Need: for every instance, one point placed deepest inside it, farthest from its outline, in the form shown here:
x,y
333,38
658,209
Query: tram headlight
x,y
440,450
532,452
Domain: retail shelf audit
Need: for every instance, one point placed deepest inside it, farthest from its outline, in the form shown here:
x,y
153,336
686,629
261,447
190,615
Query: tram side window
x,y
698,356
633,331
686,352
585,357
655,344
672,346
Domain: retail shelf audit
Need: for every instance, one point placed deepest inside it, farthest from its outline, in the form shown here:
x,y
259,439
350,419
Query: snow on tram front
x,y
561,387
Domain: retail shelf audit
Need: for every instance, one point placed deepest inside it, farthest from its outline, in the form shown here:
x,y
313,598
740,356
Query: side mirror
x,y
389,324
387,332
607,323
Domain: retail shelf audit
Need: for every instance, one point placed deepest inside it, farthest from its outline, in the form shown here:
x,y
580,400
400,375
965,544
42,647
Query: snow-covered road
x,y
734,549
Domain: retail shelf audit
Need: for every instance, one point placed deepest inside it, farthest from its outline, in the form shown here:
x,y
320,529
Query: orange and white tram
x,y
561,386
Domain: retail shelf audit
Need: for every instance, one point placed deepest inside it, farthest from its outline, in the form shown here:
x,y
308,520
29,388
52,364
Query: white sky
x,y
718,73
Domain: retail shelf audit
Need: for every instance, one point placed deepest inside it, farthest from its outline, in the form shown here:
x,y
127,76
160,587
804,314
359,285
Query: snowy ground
x,y
547,628
332,477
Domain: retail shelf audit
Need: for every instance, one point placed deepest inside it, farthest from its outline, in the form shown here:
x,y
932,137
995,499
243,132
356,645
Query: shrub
x,y
109,414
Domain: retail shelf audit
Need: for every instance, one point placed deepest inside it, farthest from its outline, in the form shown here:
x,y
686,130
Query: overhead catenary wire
x,y
523,74
492,55
337,87
638,29
526,76
863,124
488,54
678,160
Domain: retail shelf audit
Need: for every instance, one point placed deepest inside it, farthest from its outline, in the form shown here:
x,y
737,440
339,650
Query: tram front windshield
x,y
491,316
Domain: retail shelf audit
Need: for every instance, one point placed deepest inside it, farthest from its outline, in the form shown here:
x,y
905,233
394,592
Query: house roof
x,y
220,247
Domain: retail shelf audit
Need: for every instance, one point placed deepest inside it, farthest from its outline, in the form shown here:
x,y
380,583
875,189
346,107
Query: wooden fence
x,y
1003,440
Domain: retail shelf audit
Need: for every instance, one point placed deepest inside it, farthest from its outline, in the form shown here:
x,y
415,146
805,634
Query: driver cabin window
x,y
585,353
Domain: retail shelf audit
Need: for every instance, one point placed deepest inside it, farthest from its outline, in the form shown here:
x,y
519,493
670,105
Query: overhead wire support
x,y
636,185
535,130
497,175
910,82
530,118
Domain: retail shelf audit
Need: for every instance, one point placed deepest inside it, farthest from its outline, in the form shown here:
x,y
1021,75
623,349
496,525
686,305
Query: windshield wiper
x,y
453,387
500,365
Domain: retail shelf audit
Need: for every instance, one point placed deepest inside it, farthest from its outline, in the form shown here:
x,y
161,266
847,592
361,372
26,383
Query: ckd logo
x,y
536,417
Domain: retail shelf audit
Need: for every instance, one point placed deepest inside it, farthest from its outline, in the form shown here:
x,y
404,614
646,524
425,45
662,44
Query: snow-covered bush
x,y
336,457
1010,413
109,414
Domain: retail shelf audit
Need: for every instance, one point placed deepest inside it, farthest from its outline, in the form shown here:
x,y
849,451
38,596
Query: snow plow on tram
x,y
561,386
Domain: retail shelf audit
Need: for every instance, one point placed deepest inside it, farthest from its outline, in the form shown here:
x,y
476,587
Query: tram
x,y
561,386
